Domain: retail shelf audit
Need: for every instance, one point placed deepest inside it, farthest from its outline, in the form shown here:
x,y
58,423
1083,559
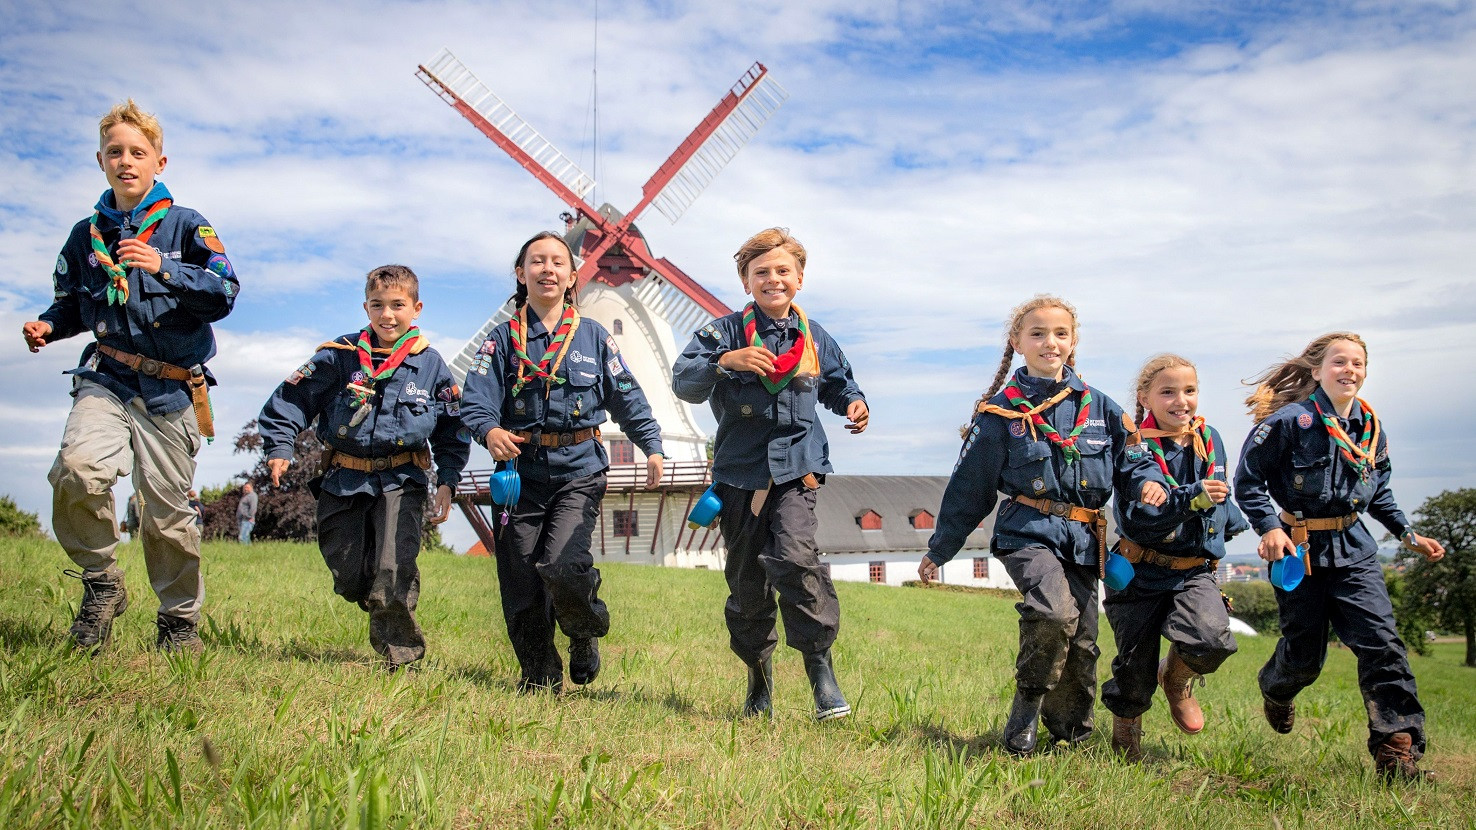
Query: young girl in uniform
x,y
1174,549
537,392
1057,449
1319,453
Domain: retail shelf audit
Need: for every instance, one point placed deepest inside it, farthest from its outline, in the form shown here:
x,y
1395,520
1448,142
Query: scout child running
x,y
545,415
385,404
146,278
765,370
1175,549
1057,449
1320,453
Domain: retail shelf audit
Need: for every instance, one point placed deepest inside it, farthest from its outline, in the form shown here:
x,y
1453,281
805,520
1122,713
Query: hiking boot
x,y
1394,760
1127,737
584,660
1281,716
1177,680
177,634
830,704
104,597
760,689
1021,726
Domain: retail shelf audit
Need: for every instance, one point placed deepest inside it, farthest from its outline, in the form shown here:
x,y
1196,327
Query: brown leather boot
x,y
1394,759
1127,737
1281,716
1177,680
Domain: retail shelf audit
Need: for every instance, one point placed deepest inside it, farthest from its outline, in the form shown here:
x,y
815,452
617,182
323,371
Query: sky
x,y
1224,180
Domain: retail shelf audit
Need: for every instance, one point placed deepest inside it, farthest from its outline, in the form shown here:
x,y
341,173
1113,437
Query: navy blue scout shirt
x,y
1001,456
418,403
596,380
1290,457
168,314
763,436
1177,528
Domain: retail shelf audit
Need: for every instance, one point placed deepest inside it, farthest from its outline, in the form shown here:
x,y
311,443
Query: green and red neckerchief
x,y
364,390
800,357
548,366
118,289
1032,415
1360,455
1197,430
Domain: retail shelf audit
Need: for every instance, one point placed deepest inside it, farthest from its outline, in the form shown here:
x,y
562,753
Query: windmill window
x,y
627,523
869,520
619,327
877,571
921,520
622,452
981,567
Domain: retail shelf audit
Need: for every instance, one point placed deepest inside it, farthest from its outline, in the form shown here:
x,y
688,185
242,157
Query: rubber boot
x,y
830,704
1127,737
1177,680
1021,727
104,597
584,660
760,699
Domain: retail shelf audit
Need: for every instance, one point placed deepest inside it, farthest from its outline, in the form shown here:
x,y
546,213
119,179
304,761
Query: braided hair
x,y
1012,332
1291,380
1150,370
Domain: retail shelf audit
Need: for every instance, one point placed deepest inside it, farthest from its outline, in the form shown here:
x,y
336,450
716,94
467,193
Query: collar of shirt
x,y
111,217
1037,388
765,324
1355,415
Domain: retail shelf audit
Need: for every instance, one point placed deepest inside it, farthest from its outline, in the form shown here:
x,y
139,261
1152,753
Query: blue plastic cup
x,y
506,485
706,509
1118,572
1288,571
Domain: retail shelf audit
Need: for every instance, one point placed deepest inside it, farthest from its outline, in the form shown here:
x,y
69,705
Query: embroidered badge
x,y
624,385
228,287
58,292
209,239
61,265
358,377
1305,420
615,366
1382,456
449,393
1136,452
489,346
1261,433
453,408
610,344
464,435
92,260
1017,428
1038,484
220,265
709,332
415,391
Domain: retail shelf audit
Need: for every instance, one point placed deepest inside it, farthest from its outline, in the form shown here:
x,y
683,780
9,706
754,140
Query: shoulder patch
x,y
304,371
709,332
209,239
489,346
610,344
1017,428
61,265
1135,452
1305,420
220,266
450,393
1261,432
616,365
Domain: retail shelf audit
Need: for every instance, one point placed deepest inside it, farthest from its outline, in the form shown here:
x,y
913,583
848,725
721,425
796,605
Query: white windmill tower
x,y
640,298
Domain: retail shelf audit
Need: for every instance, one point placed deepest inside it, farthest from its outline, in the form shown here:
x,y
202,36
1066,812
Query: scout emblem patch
x,y
1305,420
1017,429
61,265
209,239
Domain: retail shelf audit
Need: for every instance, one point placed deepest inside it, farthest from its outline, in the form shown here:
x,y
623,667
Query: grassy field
x,y
285,721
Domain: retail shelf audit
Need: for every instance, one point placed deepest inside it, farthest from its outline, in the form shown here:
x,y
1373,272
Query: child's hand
x,y
278,466
752,359
503,444
926,570
1276,545
442,505
858,415
135,254
653,470
1432,550
36,333
1153,494
1216,489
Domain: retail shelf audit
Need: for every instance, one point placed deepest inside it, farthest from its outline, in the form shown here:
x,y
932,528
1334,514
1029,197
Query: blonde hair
x,y
1150,370
1291,380
1012,331
765,241
129,113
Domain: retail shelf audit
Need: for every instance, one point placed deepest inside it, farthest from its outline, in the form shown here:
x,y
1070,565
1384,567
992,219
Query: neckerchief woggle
x,y
363,392
1360,455
1202,439
118,288
548,366
802,356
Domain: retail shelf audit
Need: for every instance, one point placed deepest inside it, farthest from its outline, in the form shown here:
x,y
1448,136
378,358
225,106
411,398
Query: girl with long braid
x,y
1057,449
1175,549
537,391
1304,456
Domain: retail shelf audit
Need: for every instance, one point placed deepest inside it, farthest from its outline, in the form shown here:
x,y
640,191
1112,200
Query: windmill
x,y
639,297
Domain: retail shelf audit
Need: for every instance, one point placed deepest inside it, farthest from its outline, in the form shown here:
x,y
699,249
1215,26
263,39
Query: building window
x,y
622,452
922,520
869,520
981,567
877,571
627,523
619,327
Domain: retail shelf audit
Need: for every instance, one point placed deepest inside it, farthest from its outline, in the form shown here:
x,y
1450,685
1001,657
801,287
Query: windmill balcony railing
x,y
677,475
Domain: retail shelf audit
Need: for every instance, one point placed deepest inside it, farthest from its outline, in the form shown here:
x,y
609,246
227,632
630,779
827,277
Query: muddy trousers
x,y
775,553
1352,601
370,544
547,573
1192,618
104,439
1058,637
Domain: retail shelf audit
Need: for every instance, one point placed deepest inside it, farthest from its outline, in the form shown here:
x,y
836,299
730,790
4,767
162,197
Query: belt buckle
x,y
1060,508
150,367
566,439
379,464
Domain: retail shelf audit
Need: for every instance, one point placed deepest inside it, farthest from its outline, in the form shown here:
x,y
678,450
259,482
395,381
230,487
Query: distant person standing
x,y
246,512
145,277
199,508
130,517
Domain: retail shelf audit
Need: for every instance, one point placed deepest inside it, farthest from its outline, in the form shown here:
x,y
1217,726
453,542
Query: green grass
x,y
286,721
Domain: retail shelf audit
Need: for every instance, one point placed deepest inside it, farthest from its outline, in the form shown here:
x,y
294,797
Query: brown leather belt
x,y
1300,528
1076,513
557,439
336,458
1135,553
195,378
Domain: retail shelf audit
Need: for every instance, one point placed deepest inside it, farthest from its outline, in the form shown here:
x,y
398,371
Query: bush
x,y
1254,604
17,522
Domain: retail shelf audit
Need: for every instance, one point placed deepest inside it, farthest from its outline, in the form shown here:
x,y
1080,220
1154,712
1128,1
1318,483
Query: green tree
x,y
17,522
1445,590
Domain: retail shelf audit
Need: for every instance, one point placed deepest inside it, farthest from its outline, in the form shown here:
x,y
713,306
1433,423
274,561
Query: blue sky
x,y
1224,180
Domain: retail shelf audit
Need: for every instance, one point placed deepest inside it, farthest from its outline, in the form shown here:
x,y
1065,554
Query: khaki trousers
x,y
104,439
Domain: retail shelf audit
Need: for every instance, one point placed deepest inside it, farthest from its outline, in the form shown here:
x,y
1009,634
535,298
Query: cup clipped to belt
x,y
506,485
705,510
1288,571
1119,571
